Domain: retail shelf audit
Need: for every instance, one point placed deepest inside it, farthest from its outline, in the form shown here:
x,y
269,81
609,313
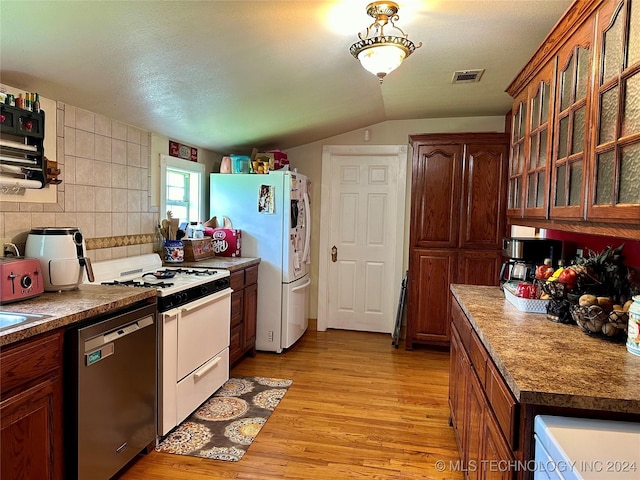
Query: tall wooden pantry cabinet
x,y
458,219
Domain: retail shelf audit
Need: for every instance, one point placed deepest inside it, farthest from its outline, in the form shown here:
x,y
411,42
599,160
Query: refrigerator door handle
x,y
307,222
301,287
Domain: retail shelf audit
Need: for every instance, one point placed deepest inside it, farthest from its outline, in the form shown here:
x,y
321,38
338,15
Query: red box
x,y
279,159
227,242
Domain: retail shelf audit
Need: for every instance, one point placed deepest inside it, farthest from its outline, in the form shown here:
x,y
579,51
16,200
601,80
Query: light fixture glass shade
x,y
381,59
380,53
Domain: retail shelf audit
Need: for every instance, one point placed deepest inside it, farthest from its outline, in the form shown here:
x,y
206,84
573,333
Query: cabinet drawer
x,y
236,279
503,404
478,357
459,319
251,275
29,362
200,384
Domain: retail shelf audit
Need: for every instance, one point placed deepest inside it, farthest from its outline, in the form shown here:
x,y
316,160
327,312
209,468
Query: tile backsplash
x,y
105,173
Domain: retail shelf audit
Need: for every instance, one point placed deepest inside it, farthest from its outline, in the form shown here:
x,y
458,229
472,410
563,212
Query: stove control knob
x,y
26,281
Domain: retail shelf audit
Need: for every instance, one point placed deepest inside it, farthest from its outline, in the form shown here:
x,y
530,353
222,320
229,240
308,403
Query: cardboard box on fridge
x,y
227,242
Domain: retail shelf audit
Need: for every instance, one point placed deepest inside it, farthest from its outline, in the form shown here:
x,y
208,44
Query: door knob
x,y
334,254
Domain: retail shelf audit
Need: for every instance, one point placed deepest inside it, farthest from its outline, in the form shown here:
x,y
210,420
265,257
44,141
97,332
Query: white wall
x,y
308,160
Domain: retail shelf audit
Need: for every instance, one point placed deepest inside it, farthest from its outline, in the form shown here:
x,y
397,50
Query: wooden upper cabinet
x,y
587,71
483,193
451,175
572,106
515,202
615,174
435,195
538,142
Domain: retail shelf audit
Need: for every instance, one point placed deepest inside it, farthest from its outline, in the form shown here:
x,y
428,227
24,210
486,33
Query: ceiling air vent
x,y
467,76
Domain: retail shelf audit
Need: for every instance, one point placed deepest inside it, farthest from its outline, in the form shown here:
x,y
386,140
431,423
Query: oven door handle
x,y
205,301
206,369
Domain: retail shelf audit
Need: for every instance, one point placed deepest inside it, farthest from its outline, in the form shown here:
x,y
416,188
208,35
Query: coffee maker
x,y
524,255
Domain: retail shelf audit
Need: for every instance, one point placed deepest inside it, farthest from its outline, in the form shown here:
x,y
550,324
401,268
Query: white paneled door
x,y
362,232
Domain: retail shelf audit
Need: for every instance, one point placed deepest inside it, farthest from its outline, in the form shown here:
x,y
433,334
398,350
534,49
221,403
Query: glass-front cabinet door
x,y
614,194
571,133
515,201
539,143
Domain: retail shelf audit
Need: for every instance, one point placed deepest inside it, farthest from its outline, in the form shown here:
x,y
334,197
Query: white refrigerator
x,y
273,212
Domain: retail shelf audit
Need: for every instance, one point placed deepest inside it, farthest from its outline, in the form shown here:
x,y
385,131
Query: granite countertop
x,y
548,363
228,263
66,308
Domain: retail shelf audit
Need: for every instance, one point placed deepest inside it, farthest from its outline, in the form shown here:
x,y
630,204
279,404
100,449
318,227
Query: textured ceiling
x,y
231,75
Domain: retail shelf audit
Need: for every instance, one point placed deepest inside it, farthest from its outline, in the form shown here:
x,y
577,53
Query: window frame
x,y
192,168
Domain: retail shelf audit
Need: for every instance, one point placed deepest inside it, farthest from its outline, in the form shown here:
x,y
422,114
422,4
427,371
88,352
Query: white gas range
x,y
194,306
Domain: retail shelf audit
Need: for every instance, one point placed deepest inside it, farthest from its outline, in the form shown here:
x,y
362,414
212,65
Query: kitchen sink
x,y
11,319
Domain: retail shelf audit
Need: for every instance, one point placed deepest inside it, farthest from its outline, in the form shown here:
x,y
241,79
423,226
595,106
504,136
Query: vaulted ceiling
x,y
231,75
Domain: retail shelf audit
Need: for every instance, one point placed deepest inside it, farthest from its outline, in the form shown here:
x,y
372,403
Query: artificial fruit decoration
x,y
543,272
569,277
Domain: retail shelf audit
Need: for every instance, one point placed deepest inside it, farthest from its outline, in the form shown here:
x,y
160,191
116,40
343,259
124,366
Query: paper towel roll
x,y
19,182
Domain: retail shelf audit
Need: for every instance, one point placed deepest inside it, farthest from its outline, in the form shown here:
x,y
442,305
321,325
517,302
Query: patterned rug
x,y
225,425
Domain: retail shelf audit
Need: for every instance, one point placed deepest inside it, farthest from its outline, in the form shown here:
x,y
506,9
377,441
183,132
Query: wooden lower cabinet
x,y
244,310
432,271
485,450
496,457
31,436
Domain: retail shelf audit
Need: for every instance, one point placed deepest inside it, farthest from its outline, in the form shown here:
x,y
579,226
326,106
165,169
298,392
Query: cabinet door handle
x,y
334,254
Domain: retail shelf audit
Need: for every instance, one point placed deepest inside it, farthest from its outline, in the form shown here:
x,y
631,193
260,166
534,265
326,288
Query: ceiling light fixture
x,y
378,53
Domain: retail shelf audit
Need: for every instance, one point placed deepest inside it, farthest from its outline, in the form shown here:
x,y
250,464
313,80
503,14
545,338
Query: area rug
x,y
224,426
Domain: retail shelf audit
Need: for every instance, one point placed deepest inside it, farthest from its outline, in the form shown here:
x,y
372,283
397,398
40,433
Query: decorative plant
x,y
604,274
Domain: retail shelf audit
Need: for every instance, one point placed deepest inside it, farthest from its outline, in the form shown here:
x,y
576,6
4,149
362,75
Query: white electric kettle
x,y
61,252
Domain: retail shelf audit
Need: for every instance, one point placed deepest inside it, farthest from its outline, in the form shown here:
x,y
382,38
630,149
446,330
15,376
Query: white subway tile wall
x,y
105,168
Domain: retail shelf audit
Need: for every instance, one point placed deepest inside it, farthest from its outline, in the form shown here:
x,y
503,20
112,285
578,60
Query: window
x,y
182,188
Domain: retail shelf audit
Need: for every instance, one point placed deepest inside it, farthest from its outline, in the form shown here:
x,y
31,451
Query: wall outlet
x,y
579,252
270,335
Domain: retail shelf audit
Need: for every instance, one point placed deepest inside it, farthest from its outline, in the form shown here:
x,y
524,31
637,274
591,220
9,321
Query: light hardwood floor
x,y
358,408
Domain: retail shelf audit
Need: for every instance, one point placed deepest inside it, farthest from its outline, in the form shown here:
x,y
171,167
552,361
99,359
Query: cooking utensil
x,y
174,224
166,229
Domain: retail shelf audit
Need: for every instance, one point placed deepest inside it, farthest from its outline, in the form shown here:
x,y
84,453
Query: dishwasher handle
x,y
116,334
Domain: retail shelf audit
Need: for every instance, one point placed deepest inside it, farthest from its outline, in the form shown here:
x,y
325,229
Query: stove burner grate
x,y
188,271
134,283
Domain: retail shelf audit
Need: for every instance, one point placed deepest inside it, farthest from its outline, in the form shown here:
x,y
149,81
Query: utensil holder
x,y
173,251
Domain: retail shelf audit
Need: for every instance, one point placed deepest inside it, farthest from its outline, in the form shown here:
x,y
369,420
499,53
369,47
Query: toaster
x,y
20,278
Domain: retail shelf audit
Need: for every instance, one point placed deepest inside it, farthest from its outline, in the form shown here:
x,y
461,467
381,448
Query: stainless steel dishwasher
x,y
111,395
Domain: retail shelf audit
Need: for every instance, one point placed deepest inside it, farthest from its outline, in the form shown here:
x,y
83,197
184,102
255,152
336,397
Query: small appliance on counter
x,y
20,279
61,252
524,254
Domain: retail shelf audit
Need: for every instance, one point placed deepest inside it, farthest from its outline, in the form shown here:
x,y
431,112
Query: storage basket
x,y
530,305
595,321
198,249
